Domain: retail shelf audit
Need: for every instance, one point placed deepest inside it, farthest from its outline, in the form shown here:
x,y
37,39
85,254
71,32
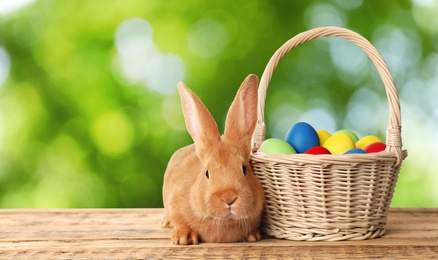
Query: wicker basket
x,y
328,197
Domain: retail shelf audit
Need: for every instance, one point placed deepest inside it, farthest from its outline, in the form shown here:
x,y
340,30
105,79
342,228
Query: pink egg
x,y
375,147
317,150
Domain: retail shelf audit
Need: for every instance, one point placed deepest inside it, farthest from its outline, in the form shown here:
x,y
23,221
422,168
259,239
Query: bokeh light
x,y
366,112
113,133
141,60
207,38
321,14
9,6
5,66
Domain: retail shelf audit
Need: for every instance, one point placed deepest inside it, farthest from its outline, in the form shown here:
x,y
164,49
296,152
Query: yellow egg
x,y
323,136
339,143
367,140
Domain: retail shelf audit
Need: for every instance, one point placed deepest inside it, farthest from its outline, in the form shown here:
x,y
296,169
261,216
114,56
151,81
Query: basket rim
x,y
325,159
393,134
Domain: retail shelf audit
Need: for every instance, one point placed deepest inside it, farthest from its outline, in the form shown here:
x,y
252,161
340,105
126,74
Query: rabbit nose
x,y
230,202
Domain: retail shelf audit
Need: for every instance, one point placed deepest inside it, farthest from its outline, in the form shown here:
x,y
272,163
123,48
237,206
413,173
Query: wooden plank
x,y
137,249
147,232
134,233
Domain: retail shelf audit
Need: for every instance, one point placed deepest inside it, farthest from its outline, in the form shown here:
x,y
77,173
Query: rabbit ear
x,y
242,115
199,122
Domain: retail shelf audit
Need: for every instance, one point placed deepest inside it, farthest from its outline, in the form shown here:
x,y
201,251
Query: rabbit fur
x,y
210,193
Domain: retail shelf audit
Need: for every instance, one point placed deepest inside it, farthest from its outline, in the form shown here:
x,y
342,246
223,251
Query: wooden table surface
x,y
135,234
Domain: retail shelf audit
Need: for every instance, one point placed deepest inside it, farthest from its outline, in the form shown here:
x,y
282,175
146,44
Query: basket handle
x,y
393,134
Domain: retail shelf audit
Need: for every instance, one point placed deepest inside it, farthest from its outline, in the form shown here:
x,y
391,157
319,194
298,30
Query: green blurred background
x,y
89,113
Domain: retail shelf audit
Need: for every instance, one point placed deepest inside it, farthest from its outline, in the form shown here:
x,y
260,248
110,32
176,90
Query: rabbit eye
x,y
207,174
244,169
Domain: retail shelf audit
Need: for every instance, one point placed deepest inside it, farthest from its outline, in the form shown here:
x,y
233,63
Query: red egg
x,y
317,150
375,147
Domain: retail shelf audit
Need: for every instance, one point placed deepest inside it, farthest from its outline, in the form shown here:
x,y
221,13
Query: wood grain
x,y
135,234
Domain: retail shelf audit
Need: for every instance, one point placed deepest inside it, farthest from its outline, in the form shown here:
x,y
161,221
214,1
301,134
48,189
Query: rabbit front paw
x,y
183,235
165,223
254,236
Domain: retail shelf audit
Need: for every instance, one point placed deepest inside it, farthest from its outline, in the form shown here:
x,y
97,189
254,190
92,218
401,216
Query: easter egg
x,y
367,140
276,146
339,143
350,133
323,135
375,147
355,151
302,136
317,150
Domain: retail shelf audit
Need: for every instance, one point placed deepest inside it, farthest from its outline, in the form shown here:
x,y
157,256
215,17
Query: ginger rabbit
x,y
210,193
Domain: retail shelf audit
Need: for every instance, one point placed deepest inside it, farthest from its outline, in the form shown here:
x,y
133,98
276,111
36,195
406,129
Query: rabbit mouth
x,y
225,214
230,214
227,217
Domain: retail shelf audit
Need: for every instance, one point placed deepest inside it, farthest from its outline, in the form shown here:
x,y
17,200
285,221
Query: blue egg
x,y
355,151
302,137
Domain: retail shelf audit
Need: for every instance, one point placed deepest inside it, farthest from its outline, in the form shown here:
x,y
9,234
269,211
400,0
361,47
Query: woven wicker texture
x,y
328,197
